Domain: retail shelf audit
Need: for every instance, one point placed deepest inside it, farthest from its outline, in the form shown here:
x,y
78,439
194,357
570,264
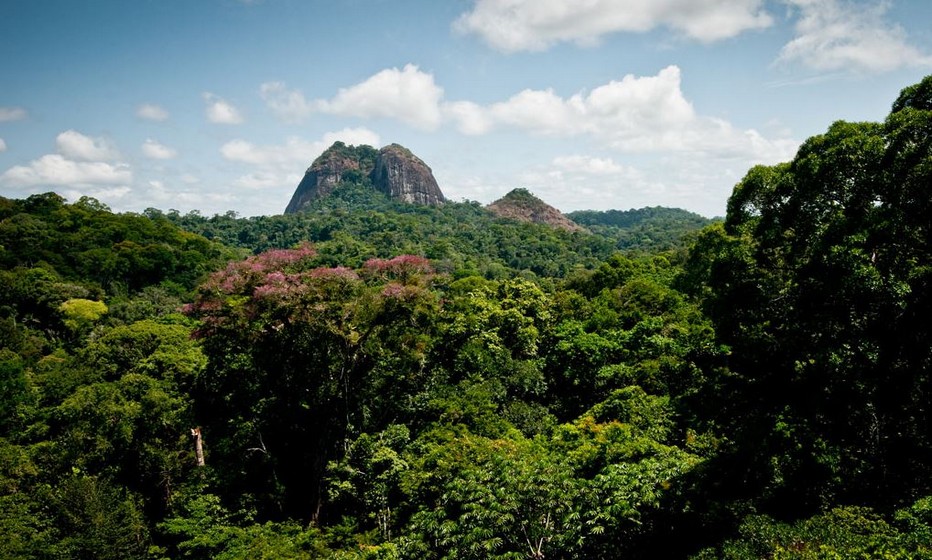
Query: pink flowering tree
x,y
303,359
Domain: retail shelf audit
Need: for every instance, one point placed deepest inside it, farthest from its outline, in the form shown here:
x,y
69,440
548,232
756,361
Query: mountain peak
x,y
393,170
521,205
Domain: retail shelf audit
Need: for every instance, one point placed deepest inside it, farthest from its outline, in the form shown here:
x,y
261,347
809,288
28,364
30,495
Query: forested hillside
x,y
355,223
643,229
371,379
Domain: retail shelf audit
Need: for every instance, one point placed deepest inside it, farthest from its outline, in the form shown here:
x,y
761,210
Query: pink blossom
x,y
401,266
393,290
277,258
338,272
276,277
397,291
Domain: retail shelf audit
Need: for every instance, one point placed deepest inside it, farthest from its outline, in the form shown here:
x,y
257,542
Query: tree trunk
x,y
198,445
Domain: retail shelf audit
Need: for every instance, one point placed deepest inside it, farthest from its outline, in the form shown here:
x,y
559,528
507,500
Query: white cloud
x,y
275,165
635,114
154,150
12,114
587,164
578,182
471,118
266,180
74,145
56,170
152,112
2,145
158,192
408,95
81,164
106,194
289,105
295,150
534,25
244,151
832,36
220,111
542,112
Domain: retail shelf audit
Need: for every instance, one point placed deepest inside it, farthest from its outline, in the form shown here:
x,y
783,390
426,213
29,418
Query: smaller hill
x,y
523,206
653,228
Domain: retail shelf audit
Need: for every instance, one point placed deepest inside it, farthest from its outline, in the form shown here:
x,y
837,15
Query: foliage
x,y
843,532
645,229
81,313
434,383
819,282
113,251
355,223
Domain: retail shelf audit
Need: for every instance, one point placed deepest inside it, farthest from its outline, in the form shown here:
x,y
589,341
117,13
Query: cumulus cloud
x,y
220,111
407,95
534,25
587,165
102,194
56,170
266,180
81,164
199,200
275,164
471,118
292,151
2,145
12,114
74,145
578,182
831,36
154,150
289,105
150,112
635,114
295,149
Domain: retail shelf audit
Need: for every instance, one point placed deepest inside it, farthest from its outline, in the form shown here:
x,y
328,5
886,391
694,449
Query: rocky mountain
x,y
521,205
393,170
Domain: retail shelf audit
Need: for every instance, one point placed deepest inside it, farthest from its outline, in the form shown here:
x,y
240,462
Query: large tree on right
x,y
820,281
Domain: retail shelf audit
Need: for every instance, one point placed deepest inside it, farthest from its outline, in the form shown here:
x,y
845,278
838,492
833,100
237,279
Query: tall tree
x,y
820,282
302,360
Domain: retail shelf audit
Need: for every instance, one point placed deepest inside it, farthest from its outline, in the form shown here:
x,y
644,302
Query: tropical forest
x,y
371,377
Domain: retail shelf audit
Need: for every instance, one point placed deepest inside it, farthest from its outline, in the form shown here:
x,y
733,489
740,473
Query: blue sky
x,y
220,105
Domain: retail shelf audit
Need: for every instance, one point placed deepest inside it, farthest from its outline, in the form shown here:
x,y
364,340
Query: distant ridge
x,y
521,205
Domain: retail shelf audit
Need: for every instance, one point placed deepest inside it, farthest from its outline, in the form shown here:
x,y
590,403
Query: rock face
x,y
393,170
523,206
403,176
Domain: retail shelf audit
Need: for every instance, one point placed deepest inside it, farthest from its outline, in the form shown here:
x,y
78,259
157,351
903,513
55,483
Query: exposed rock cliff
x,y
338,163
393,170
523,206
404,176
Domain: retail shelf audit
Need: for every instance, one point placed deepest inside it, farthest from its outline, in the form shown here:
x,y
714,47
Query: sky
x,y
221,105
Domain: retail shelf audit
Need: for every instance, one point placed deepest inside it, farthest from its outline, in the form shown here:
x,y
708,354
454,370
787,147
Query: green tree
x,y
818,282
303,359
80,314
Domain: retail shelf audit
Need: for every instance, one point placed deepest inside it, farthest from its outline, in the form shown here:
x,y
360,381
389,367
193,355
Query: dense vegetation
x,y
375,380
357,223
644,229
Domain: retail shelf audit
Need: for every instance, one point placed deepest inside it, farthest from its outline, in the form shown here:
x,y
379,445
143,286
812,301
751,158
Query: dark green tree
x,y
819,283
